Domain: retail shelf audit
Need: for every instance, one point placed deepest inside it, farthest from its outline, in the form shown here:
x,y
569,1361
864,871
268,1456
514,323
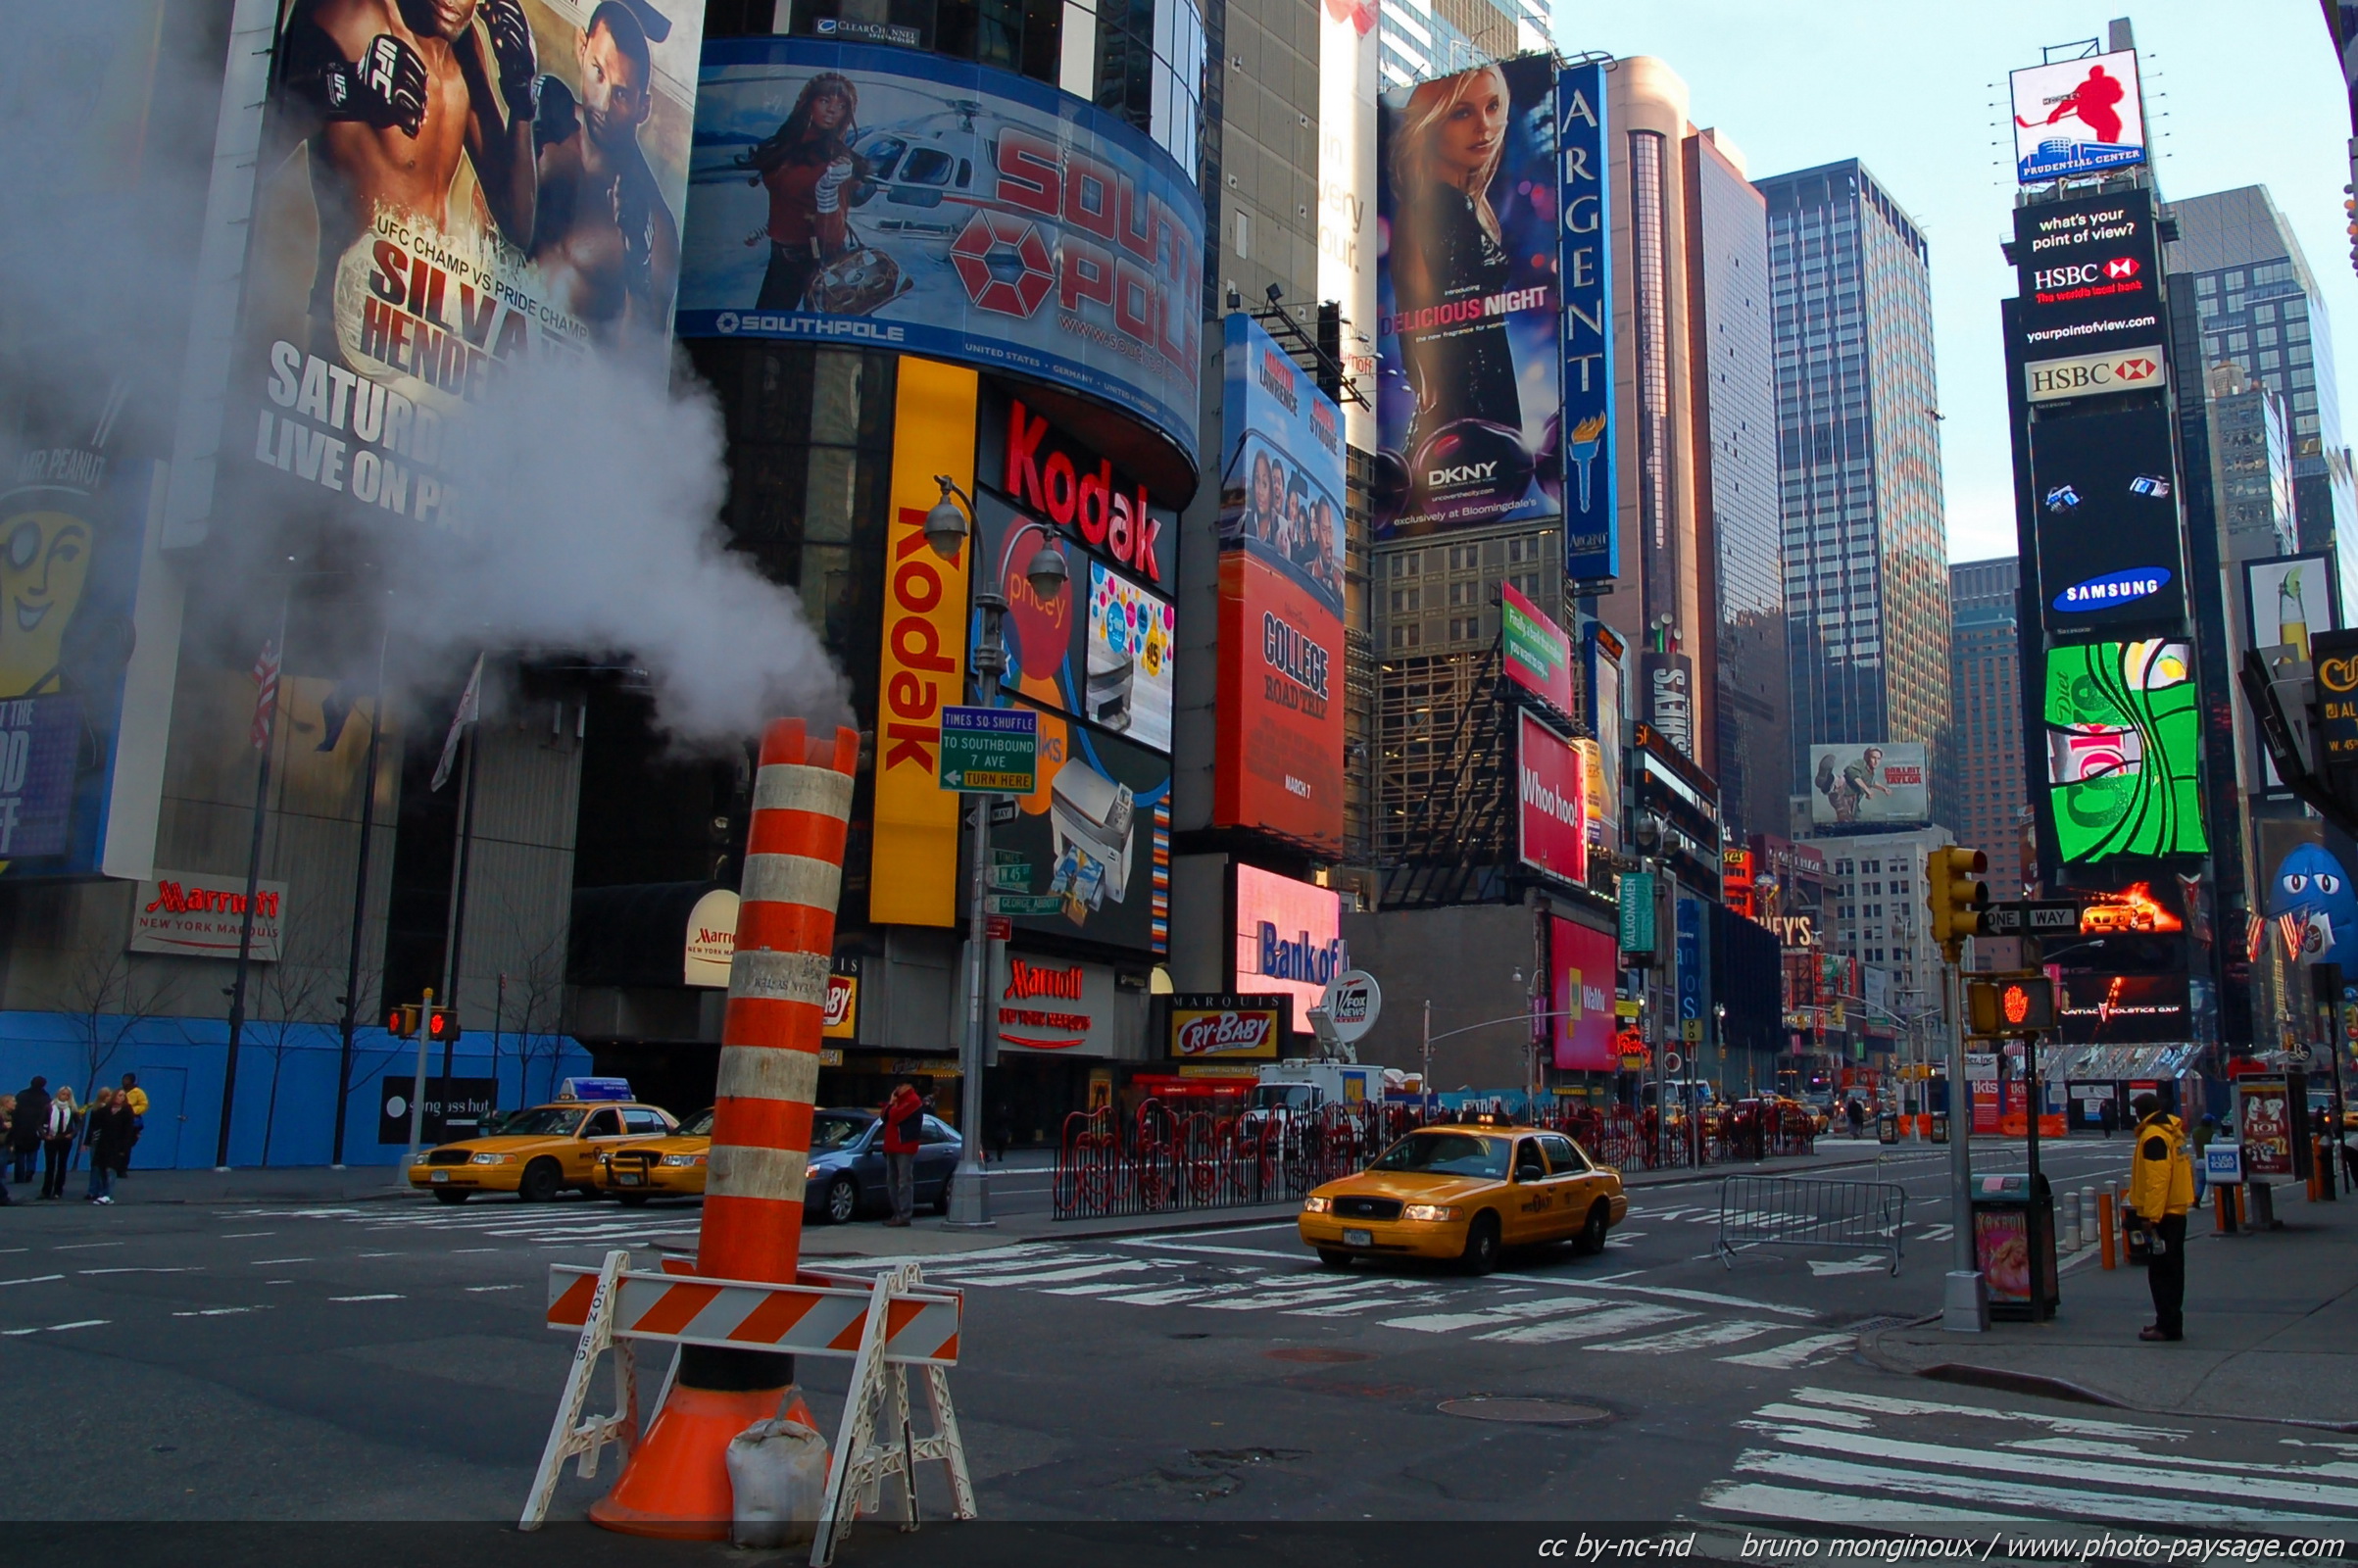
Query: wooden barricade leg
x,y
569,1434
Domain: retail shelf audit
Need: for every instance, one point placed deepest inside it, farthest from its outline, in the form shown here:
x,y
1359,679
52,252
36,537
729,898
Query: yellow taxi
x,y
1465,1191
658,1167
537,1151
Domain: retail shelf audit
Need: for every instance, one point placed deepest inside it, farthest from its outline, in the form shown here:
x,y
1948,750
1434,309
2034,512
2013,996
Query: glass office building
x,y
1866,554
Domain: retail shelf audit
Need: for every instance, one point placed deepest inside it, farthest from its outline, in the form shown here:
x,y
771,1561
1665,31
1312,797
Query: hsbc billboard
x,y
2084,375
2089,277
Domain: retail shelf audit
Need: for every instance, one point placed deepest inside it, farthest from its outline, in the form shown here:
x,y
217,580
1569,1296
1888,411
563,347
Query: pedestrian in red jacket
x,y
903,1123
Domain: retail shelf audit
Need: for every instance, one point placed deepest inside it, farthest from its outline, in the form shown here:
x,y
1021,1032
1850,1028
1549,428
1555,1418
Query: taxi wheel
x,y
1482,1244
446,1195
540,1182
1332,1257
631,1199
1591,1234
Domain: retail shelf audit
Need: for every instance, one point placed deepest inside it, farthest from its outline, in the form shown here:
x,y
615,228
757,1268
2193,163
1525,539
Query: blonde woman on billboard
x,y
1447,251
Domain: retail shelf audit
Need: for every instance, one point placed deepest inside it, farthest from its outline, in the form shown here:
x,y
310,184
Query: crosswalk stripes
x,y
1507,1309
1828,1457
539,1223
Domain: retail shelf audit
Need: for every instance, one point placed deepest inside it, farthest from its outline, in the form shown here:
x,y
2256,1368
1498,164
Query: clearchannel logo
x,y
2093,374
2114,588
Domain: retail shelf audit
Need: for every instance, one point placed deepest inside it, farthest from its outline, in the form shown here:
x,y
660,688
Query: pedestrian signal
x,y
2010,1006
402,1022
442,1026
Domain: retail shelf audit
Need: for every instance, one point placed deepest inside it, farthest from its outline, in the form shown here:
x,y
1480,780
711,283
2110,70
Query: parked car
x,y
847,1174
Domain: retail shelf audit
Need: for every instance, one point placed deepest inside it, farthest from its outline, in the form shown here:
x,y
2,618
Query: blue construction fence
x,y
285,1095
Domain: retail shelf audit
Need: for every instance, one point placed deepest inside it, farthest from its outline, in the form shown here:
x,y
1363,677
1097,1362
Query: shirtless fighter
x,y
603,237
389,94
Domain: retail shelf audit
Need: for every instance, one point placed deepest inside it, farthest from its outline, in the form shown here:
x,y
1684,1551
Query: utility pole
x,y
1957,896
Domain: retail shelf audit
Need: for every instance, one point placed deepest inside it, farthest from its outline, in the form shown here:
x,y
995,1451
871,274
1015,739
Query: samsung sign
x,y
2114,588
2093,374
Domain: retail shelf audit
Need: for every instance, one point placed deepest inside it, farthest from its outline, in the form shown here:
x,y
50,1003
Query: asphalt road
x,y
386,1360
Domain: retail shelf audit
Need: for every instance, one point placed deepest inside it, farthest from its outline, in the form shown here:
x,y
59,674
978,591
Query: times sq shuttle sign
x,y
1592,541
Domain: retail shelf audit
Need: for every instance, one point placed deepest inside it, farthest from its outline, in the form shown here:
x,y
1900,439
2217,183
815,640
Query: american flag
x,y
2290,927
2255,936
265,693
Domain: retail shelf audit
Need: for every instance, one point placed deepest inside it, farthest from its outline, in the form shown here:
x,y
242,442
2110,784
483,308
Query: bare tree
x,y
536,998
106,1000
290,998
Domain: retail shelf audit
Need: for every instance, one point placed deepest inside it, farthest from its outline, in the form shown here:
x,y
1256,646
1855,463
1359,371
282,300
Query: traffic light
x,y
2016,1006
1958,896
402,1022
442,1026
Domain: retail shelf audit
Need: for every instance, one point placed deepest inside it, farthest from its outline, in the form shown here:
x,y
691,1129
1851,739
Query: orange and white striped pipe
x,y
769,1040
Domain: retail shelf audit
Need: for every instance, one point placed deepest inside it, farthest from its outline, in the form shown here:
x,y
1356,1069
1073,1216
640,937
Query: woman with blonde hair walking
x,y
57,1141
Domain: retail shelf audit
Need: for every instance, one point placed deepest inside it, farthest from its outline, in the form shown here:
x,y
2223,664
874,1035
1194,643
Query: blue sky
x,y
2242,92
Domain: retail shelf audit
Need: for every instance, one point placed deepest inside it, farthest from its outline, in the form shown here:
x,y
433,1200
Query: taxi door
x,y
1574,1182
1533,1203
600,1132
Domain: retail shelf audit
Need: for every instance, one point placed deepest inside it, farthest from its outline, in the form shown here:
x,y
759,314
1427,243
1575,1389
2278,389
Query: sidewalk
x,y
295,1183
2272,1327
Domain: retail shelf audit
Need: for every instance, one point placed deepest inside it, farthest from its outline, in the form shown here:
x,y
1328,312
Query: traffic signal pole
x,y
1956,898
417,1096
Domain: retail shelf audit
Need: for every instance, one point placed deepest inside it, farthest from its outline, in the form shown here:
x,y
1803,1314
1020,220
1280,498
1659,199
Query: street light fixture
x,y
947,527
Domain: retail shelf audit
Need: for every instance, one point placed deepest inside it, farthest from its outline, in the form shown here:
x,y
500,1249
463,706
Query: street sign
x,y
2040,917
998,928
2223,1163
1016,878
1637,917
990,751
1003,813
1013,904
1672,1062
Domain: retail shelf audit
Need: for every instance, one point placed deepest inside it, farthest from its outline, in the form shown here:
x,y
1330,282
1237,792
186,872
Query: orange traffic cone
x,y
677,1482
672,1486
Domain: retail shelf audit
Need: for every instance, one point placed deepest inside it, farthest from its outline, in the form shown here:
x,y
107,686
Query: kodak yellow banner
x,y
914,867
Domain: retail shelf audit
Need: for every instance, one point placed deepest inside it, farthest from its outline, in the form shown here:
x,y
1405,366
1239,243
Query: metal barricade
x,y
1796,1212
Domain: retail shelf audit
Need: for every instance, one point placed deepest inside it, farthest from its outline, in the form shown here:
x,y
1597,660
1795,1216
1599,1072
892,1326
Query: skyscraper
x,y
1421,39
1866,558
1733,345
1989,792
2259,308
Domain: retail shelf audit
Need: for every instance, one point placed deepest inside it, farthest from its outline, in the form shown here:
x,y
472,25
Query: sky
x,y
2246,92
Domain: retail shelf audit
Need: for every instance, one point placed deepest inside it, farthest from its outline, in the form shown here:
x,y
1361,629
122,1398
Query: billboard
x,y
2123,1010
913,862
1538,655
1605,717
1886,782
1581,967
2106,493
506,187
2088,375
1551,798
1089,853
1469,335
1668,696
1278,767
1591,540
2076,116
2087,277
73,540
1229,1028
1289,937
2288,597
884,198
2124,749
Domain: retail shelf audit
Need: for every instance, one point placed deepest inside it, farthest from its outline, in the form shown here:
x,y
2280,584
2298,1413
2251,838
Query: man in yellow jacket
x,y
2161,1189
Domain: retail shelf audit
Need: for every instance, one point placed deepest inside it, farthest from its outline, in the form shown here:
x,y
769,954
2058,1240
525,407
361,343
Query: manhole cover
x,y
1318,1354
1881,1320
1533,1412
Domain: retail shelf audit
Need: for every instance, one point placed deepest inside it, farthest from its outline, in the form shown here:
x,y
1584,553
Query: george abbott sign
x,y
1551,802
201,916
2081,375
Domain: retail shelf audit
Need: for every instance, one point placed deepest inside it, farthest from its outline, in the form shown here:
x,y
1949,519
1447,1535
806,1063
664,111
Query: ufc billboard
x,y
2084,375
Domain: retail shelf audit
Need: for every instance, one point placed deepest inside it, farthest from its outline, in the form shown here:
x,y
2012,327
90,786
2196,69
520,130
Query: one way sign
x,y
2043,917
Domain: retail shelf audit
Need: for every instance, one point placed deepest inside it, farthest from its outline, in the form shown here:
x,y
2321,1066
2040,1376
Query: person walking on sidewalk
x,y
135,1099
24,1133
904,1115
107,1129
57,1142
2161,1189
2110,1118
1856,1114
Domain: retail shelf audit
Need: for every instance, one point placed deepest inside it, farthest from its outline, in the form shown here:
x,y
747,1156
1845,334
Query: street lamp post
x,y
947,529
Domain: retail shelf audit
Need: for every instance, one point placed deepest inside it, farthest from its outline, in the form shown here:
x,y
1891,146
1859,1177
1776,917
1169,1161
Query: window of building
x,y
1406,600
1405,564
2206,284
